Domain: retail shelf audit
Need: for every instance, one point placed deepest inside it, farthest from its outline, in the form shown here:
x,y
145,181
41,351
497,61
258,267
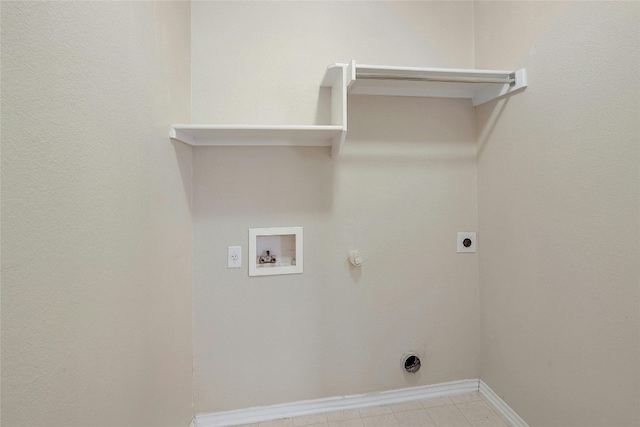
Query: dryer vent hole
x,y
412,364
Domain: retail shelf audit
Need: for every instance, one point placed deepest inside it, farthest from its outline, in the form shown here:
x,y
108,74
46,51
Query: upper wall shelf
x,y
480,86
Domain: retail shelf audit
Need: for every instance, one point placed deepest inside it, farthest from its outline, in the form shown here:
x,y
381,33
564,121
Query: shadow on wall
x,y
389,134
410,131
323,106
249,181
488,117
183,158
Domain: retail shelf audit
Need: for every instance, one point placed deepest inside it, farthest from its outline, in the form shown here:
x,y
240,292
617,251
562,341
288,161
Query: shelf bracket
x,y
337,143
491,93
339,86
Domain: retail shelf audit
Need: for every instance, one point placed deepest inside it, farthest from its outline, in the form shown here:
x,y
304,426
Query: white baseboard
x,y
309,407
317,406
497,402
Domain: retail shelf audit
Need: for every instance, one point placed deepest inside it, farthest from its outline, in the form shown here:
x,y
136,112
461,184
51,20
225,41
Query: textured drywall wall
x,y
262,62
96,219
558,180
404,186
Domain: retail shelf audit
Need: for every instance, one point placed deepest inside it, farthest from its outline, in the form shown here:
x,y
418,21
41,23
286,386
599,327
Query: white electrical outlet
x,y
234,257
467,241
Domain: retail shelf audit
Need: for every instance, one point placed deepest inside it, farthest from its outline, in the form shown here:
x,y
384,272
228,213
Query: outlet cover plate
x,y
464,235
234,257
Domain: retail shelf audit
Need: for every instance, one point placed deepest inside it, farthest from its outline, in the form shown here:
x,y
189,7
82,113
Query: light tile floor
x,y
465,410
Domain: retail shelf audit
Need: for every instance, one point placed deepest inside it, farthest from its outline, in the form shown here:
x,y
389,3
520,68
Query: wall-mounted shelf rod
x,y
448,79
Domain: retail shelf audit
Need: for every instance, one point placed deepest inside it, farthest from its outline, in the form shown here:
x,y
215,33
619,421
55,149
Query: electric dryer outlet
x,y
467,241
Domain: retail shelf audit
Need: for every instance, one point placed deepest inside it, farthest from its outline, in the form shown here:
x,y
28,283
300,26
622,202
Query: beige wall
x,y
558,200
96,210
96,219
262,62
403,188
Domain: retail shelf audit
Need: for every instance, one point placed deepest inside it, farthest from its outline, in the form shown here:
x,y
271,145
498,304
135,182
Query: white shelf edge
x,y
428,70
255,135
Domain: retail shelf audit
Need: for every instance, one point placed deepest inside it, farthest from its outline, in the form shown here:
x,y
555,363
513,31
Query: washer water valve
x,y
355,258
267,258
